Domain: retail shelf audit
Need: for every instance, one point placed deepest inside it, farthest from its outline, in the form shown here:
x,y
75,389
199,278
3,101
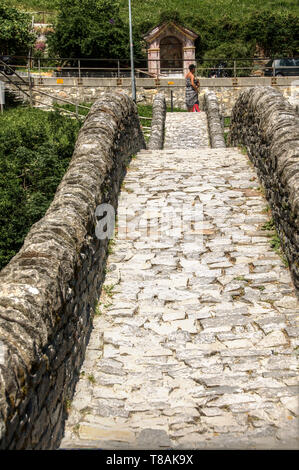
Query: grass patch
x,y
91,379
267,210
67,404
70,107
242,149
261,189
240,278
269,225
176,110
97,310
275,241
145,111
111,245
108,289
227,121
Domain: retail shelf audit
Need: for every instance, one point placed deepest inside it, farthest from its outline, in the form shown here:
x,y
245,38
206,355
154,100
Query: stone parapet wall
x,y
214,122
227,90
158,123
49,290
268,126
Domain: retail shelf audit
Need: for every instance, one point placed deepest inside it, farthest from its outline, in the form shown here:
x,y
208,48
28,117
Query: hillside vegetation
x,y
226,28
153,8
208,9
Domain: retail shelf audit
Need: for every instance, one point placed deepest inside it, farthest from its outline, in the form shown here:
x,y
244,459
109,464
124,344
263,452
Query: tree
x,y
276,32
16,36
91,28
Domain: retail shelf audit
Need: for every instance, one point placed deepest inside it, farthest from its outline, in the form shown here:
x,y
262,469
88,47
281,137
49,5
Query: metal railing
x,y
29,94
42,17
155,68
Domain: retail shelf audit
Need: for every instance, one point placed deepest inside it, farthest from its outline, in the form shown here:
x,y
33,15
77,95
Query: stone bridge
x,y
186,337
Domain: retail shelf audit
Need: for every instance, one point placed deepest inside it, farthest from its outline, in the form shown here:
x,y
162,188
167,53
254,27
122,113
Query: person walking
x,y
192,86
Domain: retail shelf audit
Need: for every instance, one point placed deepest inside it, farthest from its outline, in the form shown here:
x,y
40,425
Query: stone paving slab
x,y
186,130
196,344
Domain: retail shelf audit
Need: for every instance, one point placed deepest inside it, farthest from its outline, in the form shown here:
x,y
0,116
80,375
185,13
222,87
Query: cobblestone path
x,y
195,346
184,130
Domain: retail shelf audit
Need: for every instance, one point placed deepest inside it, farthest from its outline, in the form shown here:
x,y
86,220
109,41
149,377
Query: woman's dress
x,y
191,94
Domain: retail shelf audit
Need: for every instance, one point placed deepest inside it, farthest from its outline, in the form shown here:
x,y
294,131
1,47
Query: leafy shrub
x,y
35,150
15,31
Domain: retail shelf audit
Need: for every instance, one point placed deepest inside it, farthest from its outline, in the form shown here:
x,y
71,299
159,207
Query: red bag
x,y
196,108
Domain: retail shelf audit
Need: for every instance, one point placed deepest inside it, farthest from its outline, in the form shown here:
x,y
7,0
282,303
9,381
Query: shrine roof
x,y
160,29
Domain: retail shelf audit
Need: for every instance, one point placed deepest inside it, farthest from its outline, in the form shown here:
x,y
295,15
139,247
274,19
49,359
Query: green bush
x,y
35,150
15,32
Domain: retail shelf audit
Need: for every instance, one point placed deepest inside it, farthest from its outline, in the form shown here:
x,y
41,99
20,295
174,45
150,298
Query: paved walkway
x,y
195,346
184,130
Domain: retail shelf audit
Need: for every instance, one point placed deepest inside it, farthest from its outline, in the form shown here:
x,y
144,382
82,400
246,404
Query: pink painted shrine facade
x,y
170,49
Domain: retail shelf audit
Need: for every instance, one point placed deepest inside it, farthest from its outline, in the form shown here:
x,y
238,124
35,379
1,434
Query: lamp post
x,y
132,55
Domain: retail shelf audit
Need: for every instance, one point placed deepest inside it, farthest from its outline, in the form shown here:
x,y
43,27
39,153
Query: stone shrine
x,y
171,49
